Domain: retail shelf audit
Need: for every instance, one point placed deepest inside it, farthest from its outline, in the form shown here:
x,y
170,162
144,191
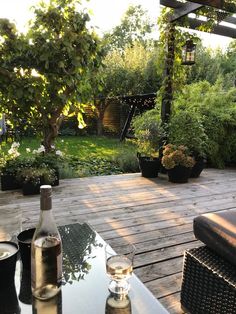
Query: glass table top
x,y
85,283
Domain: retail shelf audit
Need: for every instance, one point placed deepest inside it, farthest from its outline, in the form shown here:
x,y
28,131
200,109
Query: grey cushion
x,y
218,232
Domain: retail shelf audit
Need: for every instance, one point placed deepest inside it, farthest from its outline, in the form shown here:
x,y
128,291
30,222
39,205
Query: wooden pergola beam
x,y
219,4
218,29
184,10
212,3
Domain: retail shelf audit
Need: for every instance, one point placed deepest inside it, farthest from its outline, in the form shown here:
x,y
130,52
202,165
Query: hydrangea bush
x,y
174,155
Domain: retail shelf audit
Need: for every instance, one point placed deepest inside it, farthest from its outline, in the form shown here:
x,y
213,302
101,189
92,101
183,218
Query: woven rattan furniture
x,y
209,272
209,283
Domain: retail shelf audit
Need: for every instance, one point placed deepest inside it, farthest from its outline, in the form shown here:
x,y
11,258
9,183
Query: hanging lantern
x,y
188,53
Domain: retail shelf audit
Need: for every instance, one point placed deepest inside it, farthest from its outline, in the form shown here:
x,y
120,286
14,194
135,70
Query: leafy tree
x,y
133,72
134,27
44,74
207,67
130,65
228,65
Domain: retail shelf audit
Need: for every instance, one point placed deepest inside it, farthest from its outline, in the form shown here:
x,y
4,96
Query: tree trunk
x,y
51,132
100,105
100,123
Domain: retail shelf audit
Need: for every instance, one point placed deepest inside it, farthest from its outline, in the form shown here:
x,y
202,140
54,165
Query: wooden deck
x,y
154,214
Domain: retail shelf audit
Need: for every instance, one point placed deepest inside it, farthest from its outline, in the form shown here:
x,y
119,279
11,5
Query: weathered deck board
x,y
152,213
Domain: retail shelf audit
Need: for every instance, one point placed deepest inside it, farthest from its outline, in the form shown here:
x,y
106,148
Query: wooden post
x,y
169,65
127,122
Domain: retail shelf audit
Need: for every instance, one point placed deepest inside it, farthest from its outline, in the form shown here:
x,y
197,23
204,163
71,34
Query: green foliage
x,y
13,166
36,175
93,166
208,65
148,132
217,111
186,128
131,60
174,36
127,161
44,74
50,160
135,71
134,27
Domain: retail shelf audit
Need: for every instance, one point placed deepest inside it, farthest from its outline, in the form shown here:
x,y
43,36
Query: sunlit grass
x,y
82,147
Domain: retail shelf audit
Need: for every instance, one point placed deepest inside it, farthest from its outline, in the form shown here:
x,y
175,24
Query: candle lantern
x,y
188,53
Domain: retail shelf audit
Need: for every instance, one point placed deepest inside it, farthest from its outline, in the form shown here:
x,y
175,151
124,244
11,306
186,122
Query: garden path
x,y
154,214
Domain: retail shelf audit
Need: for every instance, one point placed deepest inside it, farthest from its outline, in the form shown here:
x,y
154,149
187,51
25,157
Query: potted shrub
x,y
178,162
148,134
32,178
51,161
9,164
9,175
186,128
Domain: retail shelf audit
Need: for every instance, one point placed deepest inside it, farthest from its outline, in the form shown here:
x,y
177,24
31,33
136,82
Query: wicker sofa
x,y
209,272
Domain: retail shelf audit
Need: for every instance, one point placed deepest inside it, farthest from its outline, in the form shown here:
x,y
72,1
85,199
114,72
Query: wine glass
x,y
119,267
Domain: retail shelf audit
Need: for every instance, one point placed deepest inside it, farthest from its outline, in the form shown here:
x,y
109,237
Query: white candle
x,y
6,250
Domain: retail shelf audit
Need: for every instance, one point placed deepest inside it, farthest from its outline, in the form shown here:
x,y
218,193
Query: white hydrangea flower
x,y
35,151
28,150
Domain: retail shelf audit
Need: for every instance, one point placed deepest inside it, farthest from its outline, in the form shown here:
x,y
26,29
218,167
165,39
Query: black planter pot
x,y
28,188
9,182
149,167
179,174
198,167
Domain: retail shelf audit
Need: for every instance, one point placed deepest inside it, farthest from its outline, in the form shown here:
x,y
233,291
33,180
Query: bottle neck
x,y
46,203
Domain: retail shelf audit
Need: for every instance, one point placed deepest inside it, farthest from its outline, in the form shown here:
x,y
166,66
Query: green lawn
x,y
89,155
82,146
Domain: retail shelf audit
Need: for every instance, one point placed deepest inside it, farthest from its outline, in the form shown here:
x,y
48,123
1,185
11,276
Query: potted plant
x,y
9,175
186,128
148,134
51,161
9,164
32,177
178,162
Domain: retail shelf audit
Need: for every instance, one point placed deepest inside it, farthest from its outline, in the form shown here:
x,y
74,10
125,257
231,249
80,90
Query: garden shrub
x,y
127,161
148,132
217,111
186,128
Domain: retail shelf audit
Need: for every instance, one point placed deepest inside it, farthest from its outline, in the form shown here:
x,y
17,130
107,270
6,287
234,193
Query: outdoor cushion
x,y
218,232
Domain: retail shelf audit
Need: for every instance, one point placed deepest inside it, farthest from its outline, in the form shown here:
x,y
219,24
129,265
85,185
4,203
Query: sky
x,y
106,15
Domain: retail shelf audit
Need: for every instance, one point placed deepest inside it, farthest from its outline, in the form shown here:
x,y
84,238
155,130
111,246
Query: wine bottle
x,y
46,251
